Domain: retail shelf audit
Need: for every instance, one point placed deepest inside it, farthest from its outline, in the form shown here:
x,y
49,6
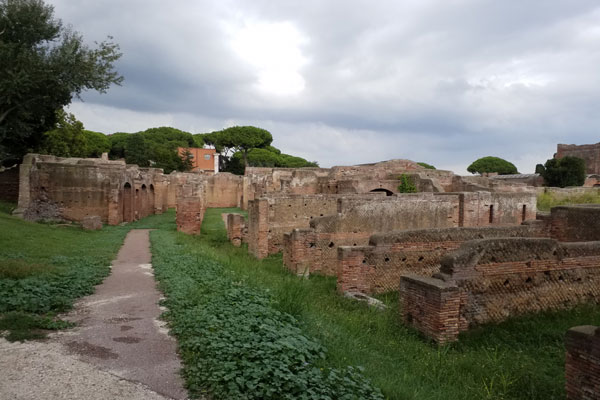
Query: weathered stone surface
x,y
91,223
582,364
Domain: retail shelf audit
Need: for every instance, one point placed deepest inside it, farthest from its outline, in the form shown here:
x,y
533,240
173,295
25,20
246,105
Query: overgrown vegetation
x,y
44,268
425,165
520,359
407,185
548,199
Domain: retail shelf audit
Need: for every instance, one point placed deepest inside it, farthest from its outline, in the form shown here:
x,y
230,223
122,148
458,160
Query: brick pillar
x,y
258,228
432,306
115,208
190,209
352,270
582,366
297,249
235,227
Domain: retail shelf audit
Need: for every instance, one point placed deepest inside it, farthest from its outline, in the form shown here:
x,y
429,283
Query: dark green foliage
x,y
69,139
425,165
234,343
406,185
237,139
492,164
22,326
539,169
267,157
154,147
96,143
44,65
563,172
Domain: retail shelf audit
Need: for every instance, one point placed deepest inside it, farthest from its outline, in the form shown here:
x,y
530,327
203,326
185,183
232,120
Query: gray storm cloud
x,y
344,82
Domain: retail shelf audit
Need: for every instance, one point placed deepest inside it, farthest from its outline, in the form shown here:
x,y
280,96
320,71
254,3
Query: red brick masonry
x,y
582,367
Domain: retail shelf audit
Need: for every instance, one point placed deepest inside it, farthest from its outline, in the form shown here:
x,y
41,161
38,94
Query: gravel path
x,y
119,350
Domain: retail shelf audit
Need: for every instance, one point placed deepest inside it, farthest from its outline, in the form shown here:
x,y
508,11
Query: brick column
x,y
258,228
297,246
582,366
431,306
235,226
352,270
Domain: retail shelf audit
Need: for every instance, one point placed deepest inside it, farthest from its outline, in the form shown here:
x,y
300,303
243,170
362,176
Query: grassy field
x,y
44,268
217,292
545,201
520,359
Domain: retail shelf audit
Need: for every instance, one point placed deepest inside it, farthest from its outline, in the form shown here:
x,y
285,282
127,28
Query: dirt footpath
x,y
119,350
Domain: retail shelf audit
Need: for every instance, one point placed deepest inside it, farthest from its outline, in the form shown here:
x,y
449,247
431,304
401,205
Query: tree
x,y
563,172
96,143
266,157
492,164
66,139
243,139
43,66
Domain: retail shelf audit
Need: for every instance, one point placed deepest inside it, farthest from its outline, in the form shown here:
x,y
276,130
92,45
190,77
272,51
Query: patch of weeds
x,y
19,269
234,342
22,326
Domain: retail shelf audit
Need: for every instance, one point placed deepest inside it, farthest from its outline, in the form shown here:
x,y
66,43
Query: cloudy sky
x,y
347,81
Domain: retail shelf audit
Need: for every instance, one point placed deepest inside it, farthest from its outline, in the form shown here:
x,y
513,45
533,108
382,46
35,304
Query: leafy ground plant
x,y
44,268
235,343
547,200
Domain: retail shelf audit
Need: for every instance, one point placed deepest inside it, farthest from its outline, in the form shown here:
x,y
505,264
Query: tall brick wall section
x,y
269,218
413,252
9,185
582,366
258,227
223,190
590,153
575,223
190,208
500,278
74,188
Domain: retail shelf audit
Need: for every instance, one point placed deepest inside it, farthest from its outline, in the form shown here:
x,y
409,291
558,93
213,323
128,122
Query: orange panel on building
x,y
202,159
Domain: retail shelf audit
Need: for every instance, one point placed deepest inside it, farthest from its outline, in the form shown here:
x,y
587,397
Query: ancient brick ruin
x,y
490,280
72,189
582,366
590,153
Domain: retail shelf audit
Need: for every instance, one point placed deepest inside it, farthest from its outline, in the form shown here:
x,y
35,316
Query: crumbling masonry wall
x,y
269,218
190,206
316,249
495,279
590,153
582,364
377,268
74,188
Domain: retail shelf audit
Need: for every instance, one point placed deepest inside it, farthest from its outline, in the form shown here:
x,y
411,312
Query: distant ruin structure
x,y
590,153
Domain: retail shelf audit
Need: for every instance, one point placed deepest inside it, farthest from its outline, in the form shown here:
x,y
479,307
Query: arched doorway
x,y
127,203
387,192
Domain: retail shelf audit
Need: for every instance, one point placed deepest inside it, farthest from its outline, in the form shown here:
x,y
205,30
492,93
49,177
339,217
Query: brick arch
x,y
386,191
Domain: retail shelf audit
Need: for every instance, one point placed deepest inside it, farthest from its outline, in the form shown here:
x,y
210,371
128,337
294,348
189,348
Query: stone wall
x,y
377,268
582,364
269,218
9,185
316,249
74,188
590,153
236,229
495,279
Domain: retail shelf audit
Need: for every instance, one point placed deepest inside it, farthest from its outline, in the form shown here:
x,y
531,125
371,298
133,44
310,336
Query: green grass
x,y
44,268
547,200
520,359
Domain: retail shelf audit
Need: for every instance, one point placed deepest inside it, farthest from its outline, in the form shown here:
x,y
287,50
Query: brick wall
x,y
582,366
9,185
190,208
503,277
419,252
590,153
575,223
269,218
